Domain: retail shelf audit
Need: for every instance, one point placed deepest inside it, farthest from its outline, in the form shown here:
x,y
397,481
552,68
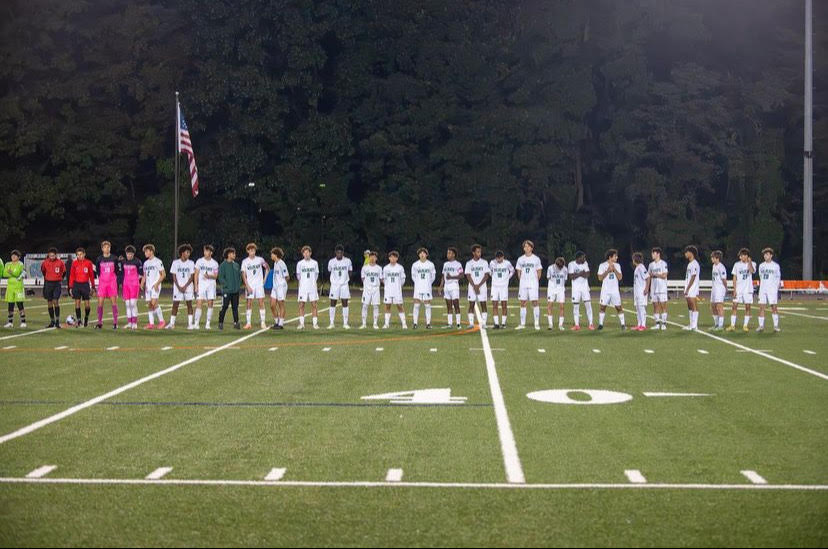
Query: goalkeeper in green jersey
x,y
15,293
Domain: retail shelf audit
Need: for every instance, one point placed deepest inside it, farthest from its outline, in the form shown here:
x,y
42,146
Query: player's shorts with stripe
x,y
257,292
393,298
500,293
152,293
339,291
186,295
658,297
640,300
580,294
206,291
81,290
743,297
481,295
556,294
451,292
51,290
717,294
371,297
130,291
279,291
694,292
308,294
422,294
768,297
610,298
528,294
109,289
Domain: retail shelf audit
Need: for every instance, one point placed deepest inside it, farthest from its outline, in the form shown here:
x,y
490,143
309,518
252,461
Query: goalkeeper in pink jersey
x,y
132,268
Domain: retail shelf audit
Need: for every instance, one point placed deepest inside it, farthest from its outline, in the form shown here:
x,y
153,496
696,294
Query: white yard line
x,y
24,334
106,396
754,477
394,475
658,394
754,351
159,473
276,474
514,470
381,484
41,472
635,476
806,316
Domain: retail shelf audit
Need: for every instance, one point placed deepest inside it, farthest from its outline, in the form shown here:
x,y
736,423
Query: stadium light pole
x,y
808,153
177,155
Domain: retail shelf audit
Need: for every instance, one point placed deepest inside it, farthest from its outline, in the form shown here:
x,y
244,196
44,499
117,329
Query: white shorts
x,y
152,293
640,300
580,294
660,297
610,298
481,296
308,294
500,293
768,297
452,292
555,294
279,292
393,298
371,297
717,295
178,295
694,292
207,291
422,294
257,293
527,294
340,291
743,297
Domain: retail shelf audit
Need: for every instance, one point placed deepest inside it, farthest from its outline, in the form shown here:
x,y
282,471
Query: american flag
x,y
186,146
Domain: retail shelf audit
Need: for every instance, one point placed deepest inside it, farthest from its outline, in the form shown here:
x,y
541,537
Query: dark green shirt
x,y
229,277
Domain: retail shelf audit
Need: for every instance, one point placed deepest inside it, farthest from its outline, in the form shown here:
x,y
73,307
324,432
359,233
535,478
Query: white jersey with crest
x,y
280,273
152,271
254,269
528,267
579,284
371,278
477,269
307,272
658,286
610,283
423,273
692,269
182,271
744,278
206,267
452,268
393,277
557,277
340,270
770,275
640,282
501,272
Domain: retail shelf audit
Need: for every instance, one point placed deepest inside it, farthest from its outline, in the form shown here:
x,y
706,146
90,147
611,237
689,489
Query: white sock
x,y
402,318
376,314
471,318
694,319
747,320
249,315
664,318
761,322
428,313
549,320
302,321
485,316
450,319
189,320
588,307
315,321
775,320
496,319
721,321
601,315
172,319
733,320
159,314
387,319
262,315
332,314
345,314
209,315
416,313
560,320
716,320
523,316
151,316
364,313
503,319
621,318
197,315
536,314
576,313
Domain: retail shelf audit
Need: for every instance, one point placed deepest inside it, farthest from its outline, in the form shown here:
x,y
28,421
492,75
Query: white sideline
x,y
91,402
804,315
514,470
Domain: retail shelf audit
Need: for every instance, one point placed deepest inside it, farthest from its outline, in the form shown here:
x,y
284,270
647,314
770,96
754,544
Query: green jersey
x,y
15,292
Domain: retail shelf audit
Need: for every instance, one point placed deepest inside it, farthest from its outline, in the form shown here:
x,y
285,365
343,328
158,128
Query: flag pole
x,y
177,159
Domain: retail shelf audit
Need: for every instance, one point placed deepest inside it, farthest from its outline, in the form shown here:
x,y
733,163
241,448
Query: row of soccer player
x,y
199,280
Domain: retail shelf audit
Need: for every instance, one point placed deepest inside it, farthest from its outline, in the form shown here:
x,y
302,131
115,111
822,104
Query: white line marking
x,y
276,473
167,348
596,350
808,352
91,402
807,316
433,349
771,357
394,475
754,477
483,349
541,350
61,347
760,350
158,473
793,308
7,347
113,348
702,351
26,333
41,471
635,476
649,351
655,394
379,484
380,349
514,471
273,349
325,349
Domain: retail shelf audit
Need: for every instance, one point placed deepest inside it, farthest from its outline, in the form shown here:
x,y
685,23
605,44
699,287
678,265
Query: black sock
x,y
57,314
85,316
51,314
77,314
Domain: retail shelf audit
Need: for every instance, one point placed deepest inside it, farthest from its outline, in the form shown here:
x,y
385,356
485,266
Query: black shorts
x,y
51,290
80,290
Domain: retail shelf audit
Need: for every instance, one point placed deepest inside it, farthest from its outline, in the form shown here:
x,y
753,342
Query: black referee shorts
x,y
80,290
51,290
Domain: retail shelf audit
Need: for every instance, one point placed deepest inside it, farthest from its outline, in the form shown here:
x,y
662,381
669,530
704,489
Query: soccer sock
x,y
209,315
588,307
151,316
560,321
576,313
761,321
301,321
57,314
402,318
496,319
733,320
100,314
694,316
416,313
775,320
173,317
77,314
248,315
747,321
450,319
428,313
159,314
536,314
549,320
471,319
621,319
523,316
485,317
345,314
376,314
601,315
315,320
262,316
332,314
11,312
364,313
721,321
190,319
115,314
22,311
281,321
197,316
664,319
387,319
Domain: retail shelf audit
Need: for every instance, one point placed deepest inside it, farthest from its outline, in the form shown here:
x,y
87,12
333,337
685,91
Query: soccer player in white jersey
x,y
450,285
770,280
339,271
182,271
718,289
151,284
254,271
371,279
477,273
206,274
556,275
423,273
742,288
579,275
393,278
502,271
529,271
307,273
609,273
640,276
657,288
278,293
691,286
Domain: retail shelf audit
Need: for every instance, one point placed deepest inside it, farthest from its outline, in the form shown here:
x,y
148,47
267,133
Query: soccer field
x,y
414,438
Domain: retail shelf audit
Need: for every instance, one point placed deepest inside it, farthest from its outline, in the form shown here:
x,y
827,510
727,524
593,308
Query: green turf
x,y
242,411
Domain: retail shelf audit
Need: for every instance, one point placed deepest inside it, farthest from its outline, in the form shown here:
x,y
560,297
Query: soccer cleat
x,y
663,327
775,328
537,326
8,325
114,326
263,325
195,327
592,327
149,326
346,326
330,326
471,326
550,328
376,327
170,326
385,326
760,329
248,326
405,326
688,328
236,326
520,327
161,325
274,327
745,329
730,329
57,326
206,326
600,327
414,326
191,327
316,326
623,328
576,328
221,325
495,327
23,325
428,326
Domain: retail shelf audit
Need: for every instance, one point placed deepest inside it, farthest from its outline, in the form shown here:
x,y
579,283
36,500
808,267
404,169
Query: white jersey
x,y
183,271
770,275
640,277
152,271
692,269
253,269
719,278
423,273
206,267
340,270
371,278
452,268
579,284
557,277
658,286
610,283
477,269
280,273
528,267
307,271
393,276
501,272
744,279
